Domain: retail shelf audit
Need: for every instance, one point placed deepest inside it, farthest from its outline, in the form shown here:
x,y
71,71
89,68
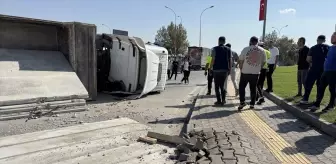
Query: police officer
x,y
209,73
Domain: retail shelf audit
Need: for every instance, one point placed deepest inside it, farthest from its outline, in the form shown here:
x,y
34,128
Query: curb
x,y
192,96
307,117
197,104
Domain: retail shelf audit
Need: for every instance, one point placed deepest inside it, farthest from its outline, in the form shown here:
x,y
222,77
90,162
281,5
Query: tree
x,y
165,36
287,48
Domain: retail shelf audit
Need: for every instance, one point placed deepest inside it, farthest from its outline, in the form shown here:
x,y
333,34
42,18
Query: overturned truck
x,y
45,66
125,65
49,67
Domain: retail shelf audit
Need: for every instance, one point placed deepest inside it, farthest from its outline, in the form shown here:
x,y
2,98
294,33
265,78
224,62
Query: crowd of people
x,y
315,65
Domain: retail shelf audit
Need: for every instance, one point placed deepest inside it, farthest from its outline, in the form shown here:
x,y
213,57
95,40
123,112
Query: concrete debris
x,y
74,116
148,140
197,148
166,138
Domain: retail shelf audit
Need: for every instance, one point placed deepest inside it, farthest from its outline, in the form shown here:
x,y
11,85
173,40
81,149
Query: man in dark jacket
x,y
303,65
315,58
328,79
174,69
220,66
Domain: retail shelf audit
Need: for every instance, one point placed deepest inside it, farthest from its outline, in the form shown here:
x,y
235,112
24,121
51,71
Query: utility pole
x,y
265,18
175,36
108,28
200,32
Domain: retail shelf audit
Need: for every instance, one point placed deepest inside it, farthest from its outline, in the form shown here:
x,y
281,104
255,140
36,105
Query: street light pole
x,y
108,28
200,32
180,18
279,31
174,28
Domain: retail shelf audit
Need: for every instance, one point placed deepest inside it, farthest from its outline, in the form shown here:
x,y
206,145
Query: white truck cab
x,y
162,53
132,66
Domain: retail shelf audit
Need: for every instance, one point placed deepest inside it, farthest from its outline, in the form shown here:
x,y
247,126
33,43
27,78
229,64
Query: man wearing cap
x,y
209,74
303,65
315,58
272,63
234,60
251,60
220,65
328,79
262,76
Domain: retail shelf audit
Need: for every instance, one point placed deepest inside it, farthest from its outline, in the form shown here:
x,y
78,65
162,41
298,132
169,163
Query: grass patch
x,y
285,86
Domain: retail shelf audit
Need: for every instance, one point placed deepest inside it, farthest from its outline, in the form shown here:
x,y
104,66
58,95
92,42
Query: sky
x,y
237,20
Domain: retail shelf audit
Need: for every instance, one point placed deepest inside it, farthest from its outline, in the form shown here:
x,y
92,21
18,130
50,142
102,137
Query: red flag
x,y
262,10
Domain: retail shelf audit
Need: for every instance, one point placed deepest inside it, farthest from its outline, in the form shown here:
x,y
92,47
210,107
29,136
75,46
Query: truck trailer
x,y
197,56
46,66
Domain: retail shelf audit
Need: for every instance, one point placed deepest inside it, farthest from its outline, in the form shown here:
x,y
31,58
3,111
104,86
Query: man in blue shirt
x,y
220,66
328,78
315,58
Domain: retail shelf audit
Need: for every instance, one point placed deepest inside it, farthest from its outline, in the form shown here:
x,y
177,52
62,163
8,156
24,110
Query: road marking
x,y
279,147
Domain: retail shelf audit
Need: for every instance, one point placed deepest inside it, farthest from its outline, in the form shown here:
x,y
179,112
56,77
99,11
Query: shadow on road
x,y
216,114
180,106
293,126
176,83
169,121
283,115
311,145
270,108
105,98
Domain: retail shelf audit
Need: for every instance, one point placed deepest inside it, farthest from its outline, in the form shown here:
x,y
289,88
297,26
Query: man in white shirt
x,y
272,63
251,60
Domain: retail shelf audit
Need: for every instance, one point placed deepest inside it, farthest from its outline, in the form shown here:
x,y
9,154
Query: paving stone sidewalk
x,y
247,148
319,148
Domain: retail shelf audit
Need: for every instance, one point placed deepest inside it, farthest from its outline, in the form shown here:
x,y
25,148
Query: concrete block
x,y
253,159
183,157
212,147
246,145
215,152
248,151
216,159
216,131
209,135
148,140
228,154
166,138
199,145
192,157
241,138
192,140
203,160
201,154
234,138
229,161
211,142
225,147
235,145
242,159
221,136
223,142
239,151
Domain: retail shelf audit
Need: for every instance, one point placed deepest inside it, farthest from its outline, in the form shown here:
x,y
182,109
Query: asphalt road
x,y
164,112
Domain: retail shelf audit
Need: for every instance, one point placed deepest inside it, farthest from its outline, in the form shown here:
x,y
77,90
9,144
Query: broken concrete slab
x,y
148,139
104,142
166,138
